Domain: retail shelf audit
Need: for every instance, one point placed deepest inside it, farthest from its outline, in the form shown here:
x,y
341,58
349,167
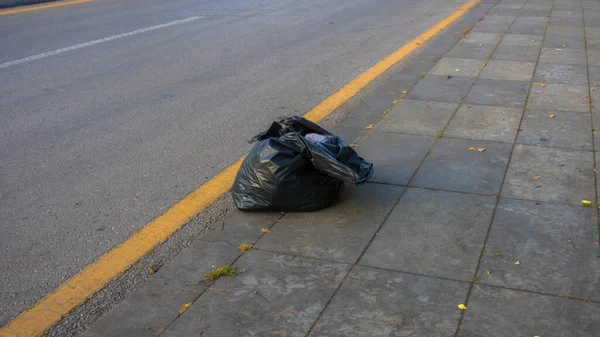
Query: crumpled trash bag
x,y
285,171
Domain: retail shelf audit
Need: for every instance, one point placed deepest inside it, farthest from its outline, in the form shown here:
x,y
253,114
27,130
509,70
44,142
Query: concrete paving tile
x,y
340,232
593,32
593,57
451,166
395,156
440,46
595,99
561,73
439,88
457,67
516,53
559,41
591,21
571,21
433,233
471,50
375,302
566,13
508,70
565,130
531,29
593,44
594,74
540,5
496,312
490,27
563,56
537,235
240,227
484,38
522,40
566,176
564,30
535,12
276,295
484,122
497,11
498,92
529,20
565,97
156,304
417,117
509,5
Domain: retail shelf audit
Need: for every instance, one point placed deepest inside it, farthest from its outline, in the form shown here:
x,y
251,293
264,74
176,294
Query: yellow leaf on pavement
x,y
585,203
481,149
369,127
185,307
518,262
462,307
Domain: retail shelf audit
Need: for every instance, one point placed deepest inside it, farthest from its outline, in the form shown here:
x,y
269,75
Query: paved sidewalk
x,y
480,172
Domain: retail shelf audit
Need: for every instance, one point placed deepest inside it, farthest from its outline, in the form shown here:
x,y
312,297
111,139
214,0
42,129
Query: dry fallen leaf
x,y
472,149
494,197
550,116
564,45
369,127
456,69
448,77
352,145
497,254
481,44
518,262
542,85
481,149
185,307
404,91
536,178
532,40
264,231
396,101
585,203
152,269
488,272
462,307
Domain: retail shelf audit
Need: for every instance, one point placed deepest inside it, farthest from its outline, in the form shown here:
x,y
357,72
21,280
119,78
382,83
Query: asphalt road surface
x,y
103,135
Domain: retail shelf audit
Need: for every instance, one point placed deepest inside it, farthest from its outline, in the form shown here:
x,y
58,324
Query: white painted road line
x,y
95,42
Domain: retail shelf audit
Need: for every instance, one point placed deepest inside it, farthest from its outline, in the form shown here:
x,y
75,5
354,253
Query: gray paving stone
x,y
240,227
510,5
571,21
457,67
433,233
593,43
566,176
417,117
593,32
395,156
156,304
535,12
593,57
559,41
565,130
561,73
490,27
516,53
531,29
439,88
528,20
522,40
484,38
508,70
595,98
498,92
564,30
340,232
565,97
563,56
451,166
484,122
471,50
496,312
565,13
594,74
537,235
276,295
540,5
375,302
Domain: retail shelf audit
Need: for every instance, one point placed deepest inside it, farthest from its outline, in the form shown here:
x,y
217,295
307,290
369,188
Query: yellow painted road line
x,y
50,310
29,9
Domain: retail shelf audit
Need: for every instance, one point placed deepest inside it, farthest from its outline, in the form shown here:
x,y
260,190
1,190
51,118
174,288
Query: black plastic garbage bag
x,y
286,172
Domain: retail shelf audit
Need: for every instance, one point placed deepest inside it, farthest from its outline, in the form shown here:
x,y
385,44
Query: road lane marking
x,y
50,310
95,42
36,8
